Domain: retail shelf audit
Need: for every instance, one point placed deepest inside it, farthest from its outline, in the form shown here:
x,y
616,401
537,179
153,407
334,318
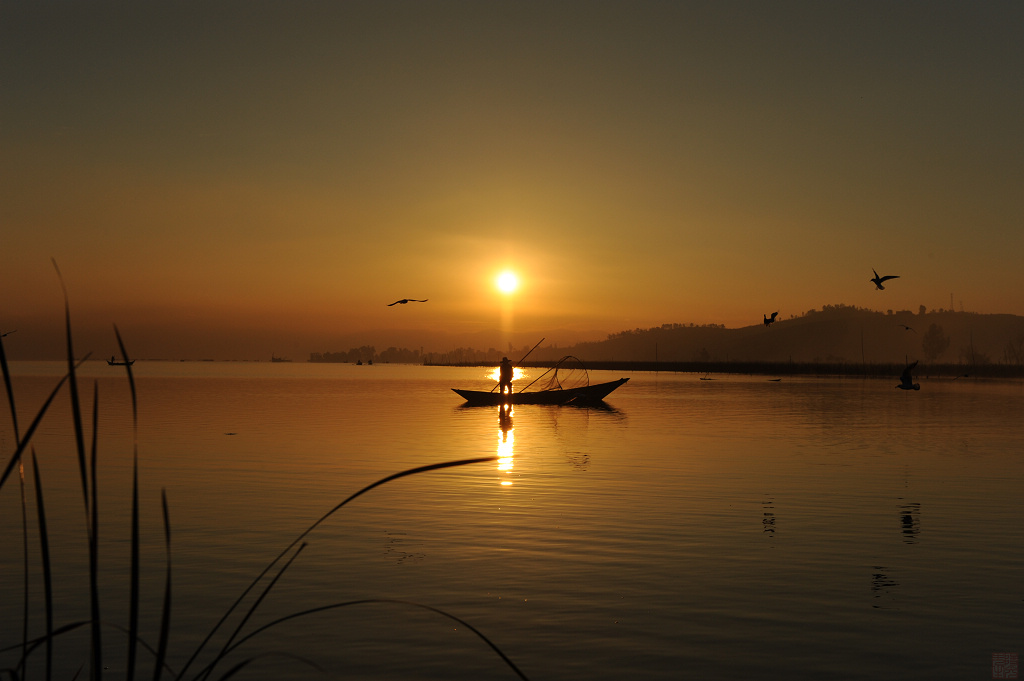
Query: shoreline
x,y
785,368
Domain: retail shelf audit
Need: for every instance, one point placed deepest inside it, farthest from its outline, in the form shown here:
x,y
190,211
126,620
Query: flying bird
x,y
768,321
906,382
5,335
878,280
403,301
908,328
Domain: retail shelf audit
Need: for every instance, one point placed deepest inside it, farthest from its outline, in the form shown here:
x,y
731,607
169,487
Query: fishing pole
x,y
528,354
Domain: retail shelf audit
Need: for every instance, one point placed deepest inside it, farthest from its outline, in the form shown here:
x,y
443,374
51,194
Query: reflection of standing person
x,y
505,376
505,420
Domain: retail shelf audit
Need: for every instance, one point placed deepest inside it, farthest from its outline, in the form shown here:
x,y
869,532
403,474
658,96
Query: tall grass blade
x,y
365,601
131,385
10,389
96,649
165,618
133,601
76,407
24,559
32,428
287,549
51,636
44,542
24,505
250,613
34,644
94,531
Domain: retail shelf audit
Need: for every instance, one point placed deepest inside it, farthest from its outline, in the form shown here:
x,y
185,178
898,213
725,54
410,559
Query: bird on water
x,y
906,381
878,280
403,301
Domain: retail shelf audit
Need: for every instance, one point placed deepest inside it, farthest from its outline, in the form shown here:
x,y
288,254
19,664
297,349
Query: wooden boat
x,y
113,363
588,394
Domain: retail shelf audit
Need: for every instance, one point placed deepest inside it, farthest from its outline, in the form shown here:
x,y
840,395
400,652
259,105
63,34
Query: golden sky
x,y
234,179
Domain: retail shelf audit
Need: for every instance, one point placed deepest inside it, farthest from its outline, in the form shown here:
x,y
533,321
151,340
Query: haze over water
x,y
732,528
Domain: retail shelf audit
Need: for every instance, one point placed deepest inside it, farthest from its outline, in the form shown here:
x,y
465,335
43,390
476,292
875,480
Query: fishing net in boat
x,y
568,373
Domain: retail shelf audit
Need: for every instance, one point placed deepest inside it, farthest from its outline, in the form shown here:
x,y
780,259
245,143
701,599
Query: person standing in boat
x,y
505,376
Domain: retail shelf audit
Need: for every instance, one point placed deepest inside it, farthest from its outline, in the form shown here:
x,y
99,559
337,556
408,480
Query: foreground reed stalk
x,y
87,465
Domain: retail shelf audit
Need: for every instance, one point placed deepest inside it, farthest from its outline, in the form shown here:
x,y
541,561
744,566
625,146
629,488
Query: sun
x,y
507,281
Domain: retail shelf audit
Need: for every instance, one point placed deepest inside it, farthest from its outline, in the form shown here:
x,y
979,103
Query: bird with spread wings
x,y
878,280
906,380
403,301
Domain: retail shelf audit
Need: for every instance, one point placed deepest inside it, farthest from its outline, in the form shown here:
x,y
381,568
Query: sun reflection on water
x,y
517,374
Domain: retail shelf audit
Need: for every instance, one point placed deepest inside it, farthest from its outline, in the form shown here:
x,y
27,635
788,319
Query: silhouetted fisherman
x,y
505,376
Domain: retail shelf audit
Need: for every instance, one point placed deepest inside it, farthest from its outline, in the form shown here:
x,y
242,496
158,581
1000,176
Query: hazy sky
x,y
243,178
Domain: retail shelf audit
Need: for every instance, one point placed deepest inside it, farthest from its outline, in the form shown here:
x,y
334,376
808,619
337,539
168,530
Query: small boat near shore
x,y
114,363
589,394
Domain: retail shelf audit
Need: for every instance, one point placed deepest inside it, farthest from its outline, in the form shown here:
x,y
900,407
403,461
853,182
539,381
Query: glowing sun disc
x,y
507,282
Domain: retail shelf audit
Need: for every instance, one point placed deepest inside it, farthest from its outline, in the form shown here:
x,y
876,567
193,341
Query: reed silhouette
x,y
220,646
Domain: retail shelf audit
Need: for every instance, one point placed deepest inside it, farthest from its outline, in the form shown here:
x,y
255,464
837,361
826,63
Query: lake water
x,y
736,528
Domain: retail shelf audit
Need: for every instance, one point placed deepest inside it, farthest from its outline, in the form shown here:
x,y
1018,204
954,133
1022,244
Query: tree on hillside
x,y
934,343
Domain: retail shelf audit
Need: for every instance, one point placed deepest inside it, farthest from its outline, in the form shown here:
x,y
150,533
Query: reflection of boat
x,y
587,394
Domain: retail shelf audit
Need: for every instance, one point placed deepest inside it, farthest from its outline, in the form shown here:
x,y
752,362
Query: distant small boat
x,y
588,394
114,363
274,358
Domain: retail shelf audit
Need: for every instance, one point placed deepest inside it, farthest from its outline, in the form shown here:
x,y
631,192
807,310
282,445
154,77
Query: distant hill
x,y
834,334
